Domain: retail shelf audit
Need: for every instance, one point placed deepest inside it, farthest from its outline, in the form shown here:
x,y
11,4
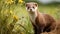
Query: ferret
x,y
41,22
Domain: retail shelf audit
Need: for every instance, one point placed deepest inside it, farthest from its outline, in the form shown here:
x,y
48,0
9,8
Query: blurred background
x,y
14,18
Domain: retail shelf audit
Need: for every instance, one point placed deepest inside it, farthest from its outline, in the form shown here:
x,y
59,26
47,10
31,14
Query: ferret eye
x,y
33,7
28,7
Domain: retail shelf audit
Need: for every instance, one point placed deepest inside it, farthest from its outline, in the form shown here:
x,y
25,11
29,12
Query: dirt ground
x,y
57,31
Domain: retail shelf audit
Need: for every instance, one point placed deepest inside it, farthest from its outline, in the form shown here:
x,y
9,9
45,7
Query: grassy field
x,y
14,18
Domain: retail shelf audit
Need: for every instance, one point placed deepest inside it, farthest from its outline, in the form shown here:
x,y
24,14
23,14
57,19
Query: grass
x,y
23,25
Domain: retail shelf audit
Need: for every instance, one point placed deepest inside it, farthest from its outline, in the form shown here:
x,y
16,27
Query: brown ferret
x,y
41,22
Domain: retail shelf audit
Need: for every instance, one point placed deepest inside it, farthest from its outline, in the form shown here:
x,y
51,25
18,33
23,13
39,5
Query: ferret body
x,y
41,22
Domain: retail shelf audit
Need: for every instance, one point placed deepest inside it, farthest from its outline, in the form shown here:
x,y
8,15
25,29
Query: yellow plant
x,y
20,1
9,1
11,12
15,17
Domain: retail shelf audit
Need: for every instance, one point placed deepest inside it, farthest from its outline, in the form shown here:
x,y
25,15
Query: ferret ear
x,y
36,4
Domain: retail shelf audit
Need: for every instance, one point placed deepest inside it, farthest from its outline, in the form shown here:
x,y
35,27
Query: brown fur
x,y
44,22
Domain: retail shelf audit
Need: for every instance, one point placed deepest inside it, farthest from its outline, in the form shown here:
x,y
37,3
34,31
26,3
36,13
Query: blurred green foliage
x,y
14,18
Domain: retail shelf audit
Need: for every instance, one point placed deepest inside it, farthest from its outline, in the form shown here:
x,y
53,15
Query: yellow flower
x,y
11,12
9,1
21,1
15,17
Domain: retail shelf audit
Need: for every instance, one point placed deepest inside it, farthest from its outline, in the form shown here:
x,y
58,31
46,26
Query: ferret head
x,y
31,7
